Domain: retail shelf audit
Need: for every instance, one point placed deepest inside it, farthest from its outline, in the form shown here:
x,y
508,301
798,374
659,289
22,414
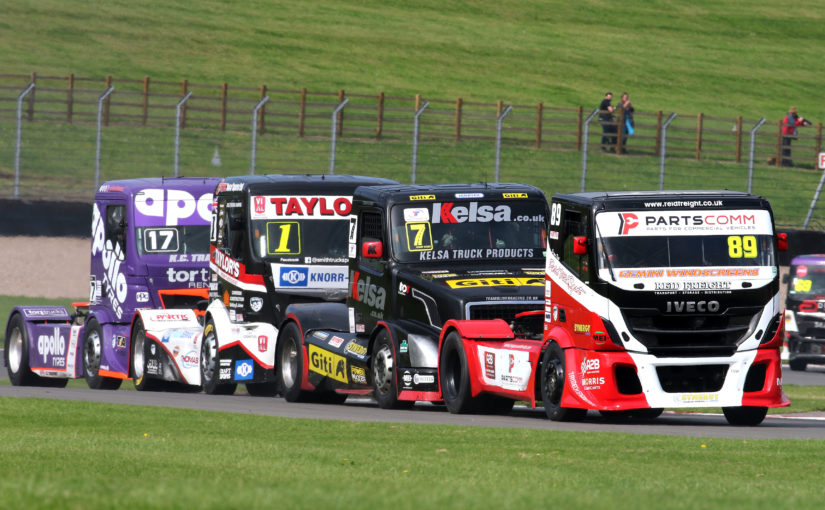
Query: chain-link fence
x,y
69,134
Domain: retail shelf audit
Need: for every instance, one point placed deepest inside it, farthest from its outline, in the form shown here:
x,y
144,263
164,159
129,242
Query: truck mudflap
x,y
337,360
53,341
174,351
246,349
619,381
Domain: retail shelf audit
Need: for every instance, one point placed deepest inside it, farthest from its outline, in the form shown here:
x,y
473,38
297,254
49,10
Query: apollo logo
x,y
51,345
173,205
110,258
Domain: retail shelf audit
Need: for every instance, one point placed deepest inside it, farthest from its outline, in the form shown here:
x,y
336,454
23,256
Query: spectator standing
x,y
629,124
608,122
789,124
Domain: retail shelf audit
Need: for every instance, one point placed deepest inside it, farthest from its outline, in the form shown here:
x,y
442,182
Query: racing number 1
x,y
739,246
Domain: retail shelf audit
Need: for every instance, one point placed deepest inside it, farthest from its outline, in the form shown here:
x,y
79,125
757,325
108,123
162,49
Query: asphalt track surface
x,y
807,426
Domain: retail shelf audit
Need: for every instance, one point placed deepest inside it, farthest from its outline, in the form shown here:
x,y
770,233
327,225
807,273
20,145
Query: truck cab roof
x,y
383,195
290,184
677,199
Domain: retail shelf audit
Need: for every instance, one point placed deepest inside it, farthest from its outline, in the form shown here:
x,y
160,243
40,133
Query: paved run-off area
x,y
48,267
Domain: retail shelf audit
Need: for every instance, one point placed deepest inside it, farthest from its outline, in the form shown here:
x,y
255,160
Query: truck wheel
x,y
16,350
209,363
797,365
263,389
141,380
290,364
745,416
552,386
455,376
384,376
92,352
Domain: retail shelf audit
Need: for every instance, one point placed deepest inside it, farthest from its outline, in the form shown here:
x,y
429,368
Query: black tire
x,y
92,352
745,416
553,384
289,364
797,365
139,346
454,376
16,352
384,373
209,363
264,389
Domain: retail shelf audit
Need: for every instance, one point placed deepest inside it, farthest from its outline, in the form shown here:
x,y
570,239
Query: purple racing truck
x,y
150,249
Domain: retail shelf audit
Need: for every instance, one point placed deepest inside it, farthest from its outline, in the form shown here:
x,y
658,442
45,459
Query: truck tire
x,y
92,352
553,379
289,364
16,350
745,416
454,376
209,363
797,366
385,374
138,356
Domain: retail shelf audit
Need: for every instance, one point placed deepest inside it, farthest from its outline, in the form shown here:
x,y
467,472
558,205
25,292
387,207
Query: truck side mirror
x,y
372,249
580,245
782,241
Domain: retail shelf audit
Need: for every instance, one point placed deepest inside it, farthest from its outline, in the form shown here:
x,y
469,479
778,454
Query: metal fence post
x,y
180,104
334,133
99,129
750,157
415,140
498,139
663,149
254,154
585,137
20,98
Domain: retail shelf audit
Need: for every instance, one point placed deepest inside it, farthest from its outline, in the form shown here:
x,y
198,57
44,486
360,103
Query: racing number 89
x,y
742,246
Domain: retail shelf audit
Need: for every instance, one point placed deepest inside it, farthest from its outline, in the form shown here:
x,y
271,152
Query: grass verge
x,y
101,456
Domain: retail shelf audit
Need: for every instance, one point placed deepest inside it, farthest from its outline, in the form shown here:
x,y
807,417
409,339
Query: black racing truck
x,y
274,240
434,272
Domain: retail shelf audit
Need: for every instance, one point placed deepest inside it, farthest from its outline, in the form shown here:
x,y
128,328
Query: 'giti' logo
x,y
626,222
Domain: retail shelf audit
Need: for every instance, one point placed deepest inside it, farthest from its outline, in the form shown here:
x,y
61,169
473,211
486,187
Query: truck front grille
x,y
505,310
695,334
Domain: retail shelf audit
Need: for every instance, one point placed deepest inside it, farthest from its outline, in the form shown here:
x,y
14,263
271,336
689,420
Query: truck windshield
x,y
172,239
717,241
469,230
807,280
322,240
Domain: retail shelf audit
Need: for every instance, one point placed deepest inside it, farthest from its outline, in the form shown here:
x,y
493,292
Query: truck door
x,y
369,280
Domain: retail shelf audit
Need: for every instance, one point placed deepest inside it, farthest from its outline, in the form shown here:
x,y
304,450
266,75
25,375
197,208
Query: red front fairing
x,y
505,368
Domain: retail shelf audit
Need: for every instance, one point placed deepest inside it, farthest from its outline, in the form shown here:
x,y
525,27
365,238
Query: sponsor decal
x,y
119,342
336,341
226,263
175,206
195,278
687,222
407,379
365,292
449,212
423,379
506,368
802,271
600,337
355,348
229,187
692,307
404,346
294,276
52,345
152,366
294,207
45,312
416,214
360,328
590,365
514,195
320,334
190,359
142,297
494,282
243,370
256,303
263,343
111,257
469,195
414,198
225,362
553,234
225,374
327,364
627,221
403,288
692,398
581,329
358,374
152,349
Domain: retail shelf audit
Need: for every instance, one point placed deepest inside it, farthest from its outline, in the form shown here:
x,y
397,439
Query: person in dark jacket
x,y
789,124
608,122
629,123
